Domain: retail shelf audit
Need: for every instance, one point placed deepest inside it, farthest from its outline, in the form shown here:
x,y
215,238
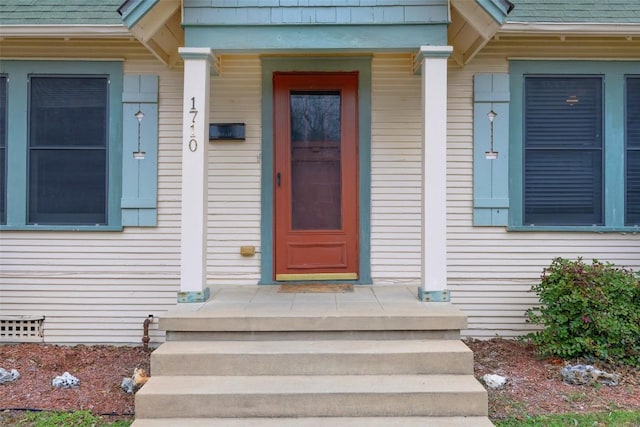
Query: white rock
x,y
494,381
65,380
587,374
127,385
7,377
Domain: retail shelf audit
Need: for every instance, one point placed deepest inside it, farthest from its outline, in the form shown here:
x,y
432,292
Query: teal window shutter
x,y
139,176
490,177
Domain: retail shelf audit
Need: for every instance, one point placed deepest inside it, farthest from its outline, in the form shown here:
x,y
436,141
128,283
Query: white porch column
x,y
195,143
433,63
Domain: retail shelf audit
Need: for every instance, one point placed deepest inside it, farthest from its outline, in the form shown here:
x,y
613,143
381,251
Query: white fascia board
x,y
578,28
40,31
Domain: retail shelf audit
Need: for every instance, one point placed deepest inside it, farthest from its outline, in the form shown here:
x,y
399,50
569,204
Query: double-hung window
x,y
67,156
575,145
60,145
563,156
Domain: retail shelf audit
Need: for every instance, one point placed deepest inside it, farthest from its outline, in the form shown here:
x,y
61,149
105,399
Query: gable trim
x,y
132,11
497,9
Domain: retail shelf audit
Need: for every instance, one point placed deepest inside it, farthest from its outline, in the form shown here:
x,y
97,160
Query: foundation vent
x,y
21,328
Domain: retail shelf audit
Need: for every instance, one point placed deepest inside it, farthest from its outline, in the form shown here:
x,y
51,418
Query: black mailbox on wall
x,y
226,131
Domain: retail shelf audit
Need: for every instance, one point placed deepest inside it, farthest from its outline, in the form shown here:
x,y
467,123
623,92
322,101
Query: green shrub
x,y
590,311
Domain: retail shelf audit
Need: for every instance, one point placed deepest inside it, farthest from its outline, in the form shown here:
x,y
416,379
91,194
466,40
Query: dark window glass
x,y
68,151
632,132
316,175
3,149
563,158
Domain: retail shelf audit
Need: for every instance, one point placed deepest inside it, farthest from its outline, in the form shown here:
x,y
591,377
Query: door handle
x,y
278,179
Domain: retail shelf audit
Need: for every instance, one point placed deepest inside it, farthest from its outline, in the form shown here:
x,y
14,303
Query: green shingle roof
x,y
584,11
105,12
60,12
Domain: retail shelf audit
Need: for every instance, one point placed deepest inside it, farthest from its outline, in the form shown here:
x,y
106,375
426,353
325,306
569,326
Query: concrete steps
x,y
253,357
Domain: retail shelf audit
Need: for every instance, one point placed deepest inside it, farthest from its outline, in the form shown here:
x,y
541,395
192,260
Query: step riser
x,y
447,321
319,422
313,405
311,364
312,335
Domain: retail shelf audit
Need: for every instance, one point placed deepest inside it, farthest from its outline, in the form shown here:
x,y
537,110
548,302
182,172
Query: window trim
x,y
18,73
613,74
627,149
3,167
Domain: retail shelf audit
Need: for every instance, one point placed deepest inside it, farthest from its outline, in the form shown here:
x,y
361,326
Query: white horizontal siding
x,y
98,287
234,174
490,270
395,171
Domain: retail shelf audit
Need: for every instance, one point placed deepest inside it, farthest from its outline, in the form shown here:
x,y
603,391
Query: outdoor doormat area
x,y
318,288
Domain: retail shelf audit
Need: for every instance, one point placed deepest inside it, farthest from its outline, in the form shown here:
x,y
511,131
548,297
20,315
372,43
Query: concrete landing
x,y
263,309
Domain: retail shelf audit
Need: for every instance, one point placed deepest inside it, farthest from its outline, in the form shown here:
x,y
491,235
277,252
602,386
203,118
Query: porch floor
x,y
262,308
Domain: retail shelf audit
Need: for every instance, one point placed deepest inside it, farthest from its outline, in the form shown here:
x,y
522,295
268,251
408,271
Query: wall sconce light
x,y
139,155
491,155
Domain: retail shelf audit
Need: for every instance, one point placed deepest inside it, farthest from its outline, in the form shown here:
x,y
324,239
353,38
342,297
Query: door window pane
x,y
67,150
316,201
563,177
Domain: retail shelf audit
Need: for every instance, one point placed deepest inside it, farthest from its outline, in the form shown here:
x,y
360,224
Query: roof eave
x,y
81,30
565,28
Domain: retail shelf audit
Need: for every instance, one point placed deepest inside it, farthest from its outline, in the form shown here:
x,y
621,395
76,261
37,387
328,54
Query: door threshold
x,y
315,276
315,288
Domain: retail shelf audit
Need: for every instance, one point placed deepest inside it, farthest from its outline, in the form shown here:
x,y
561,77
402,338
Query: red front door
x,y
316,176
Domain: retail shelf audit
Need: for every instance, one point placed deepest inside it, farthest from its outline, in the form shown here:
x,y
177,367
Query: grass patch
x,y
57,419
600,419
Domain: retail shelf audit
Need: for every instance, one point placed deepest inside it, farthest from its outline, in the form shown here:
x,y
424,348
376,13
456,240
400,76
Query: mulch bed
x,y
533,385
100,370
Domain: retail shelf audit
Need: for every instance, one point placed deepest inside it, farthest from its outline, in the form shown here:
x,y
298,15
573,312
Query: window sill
x,y
61,228
582,229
